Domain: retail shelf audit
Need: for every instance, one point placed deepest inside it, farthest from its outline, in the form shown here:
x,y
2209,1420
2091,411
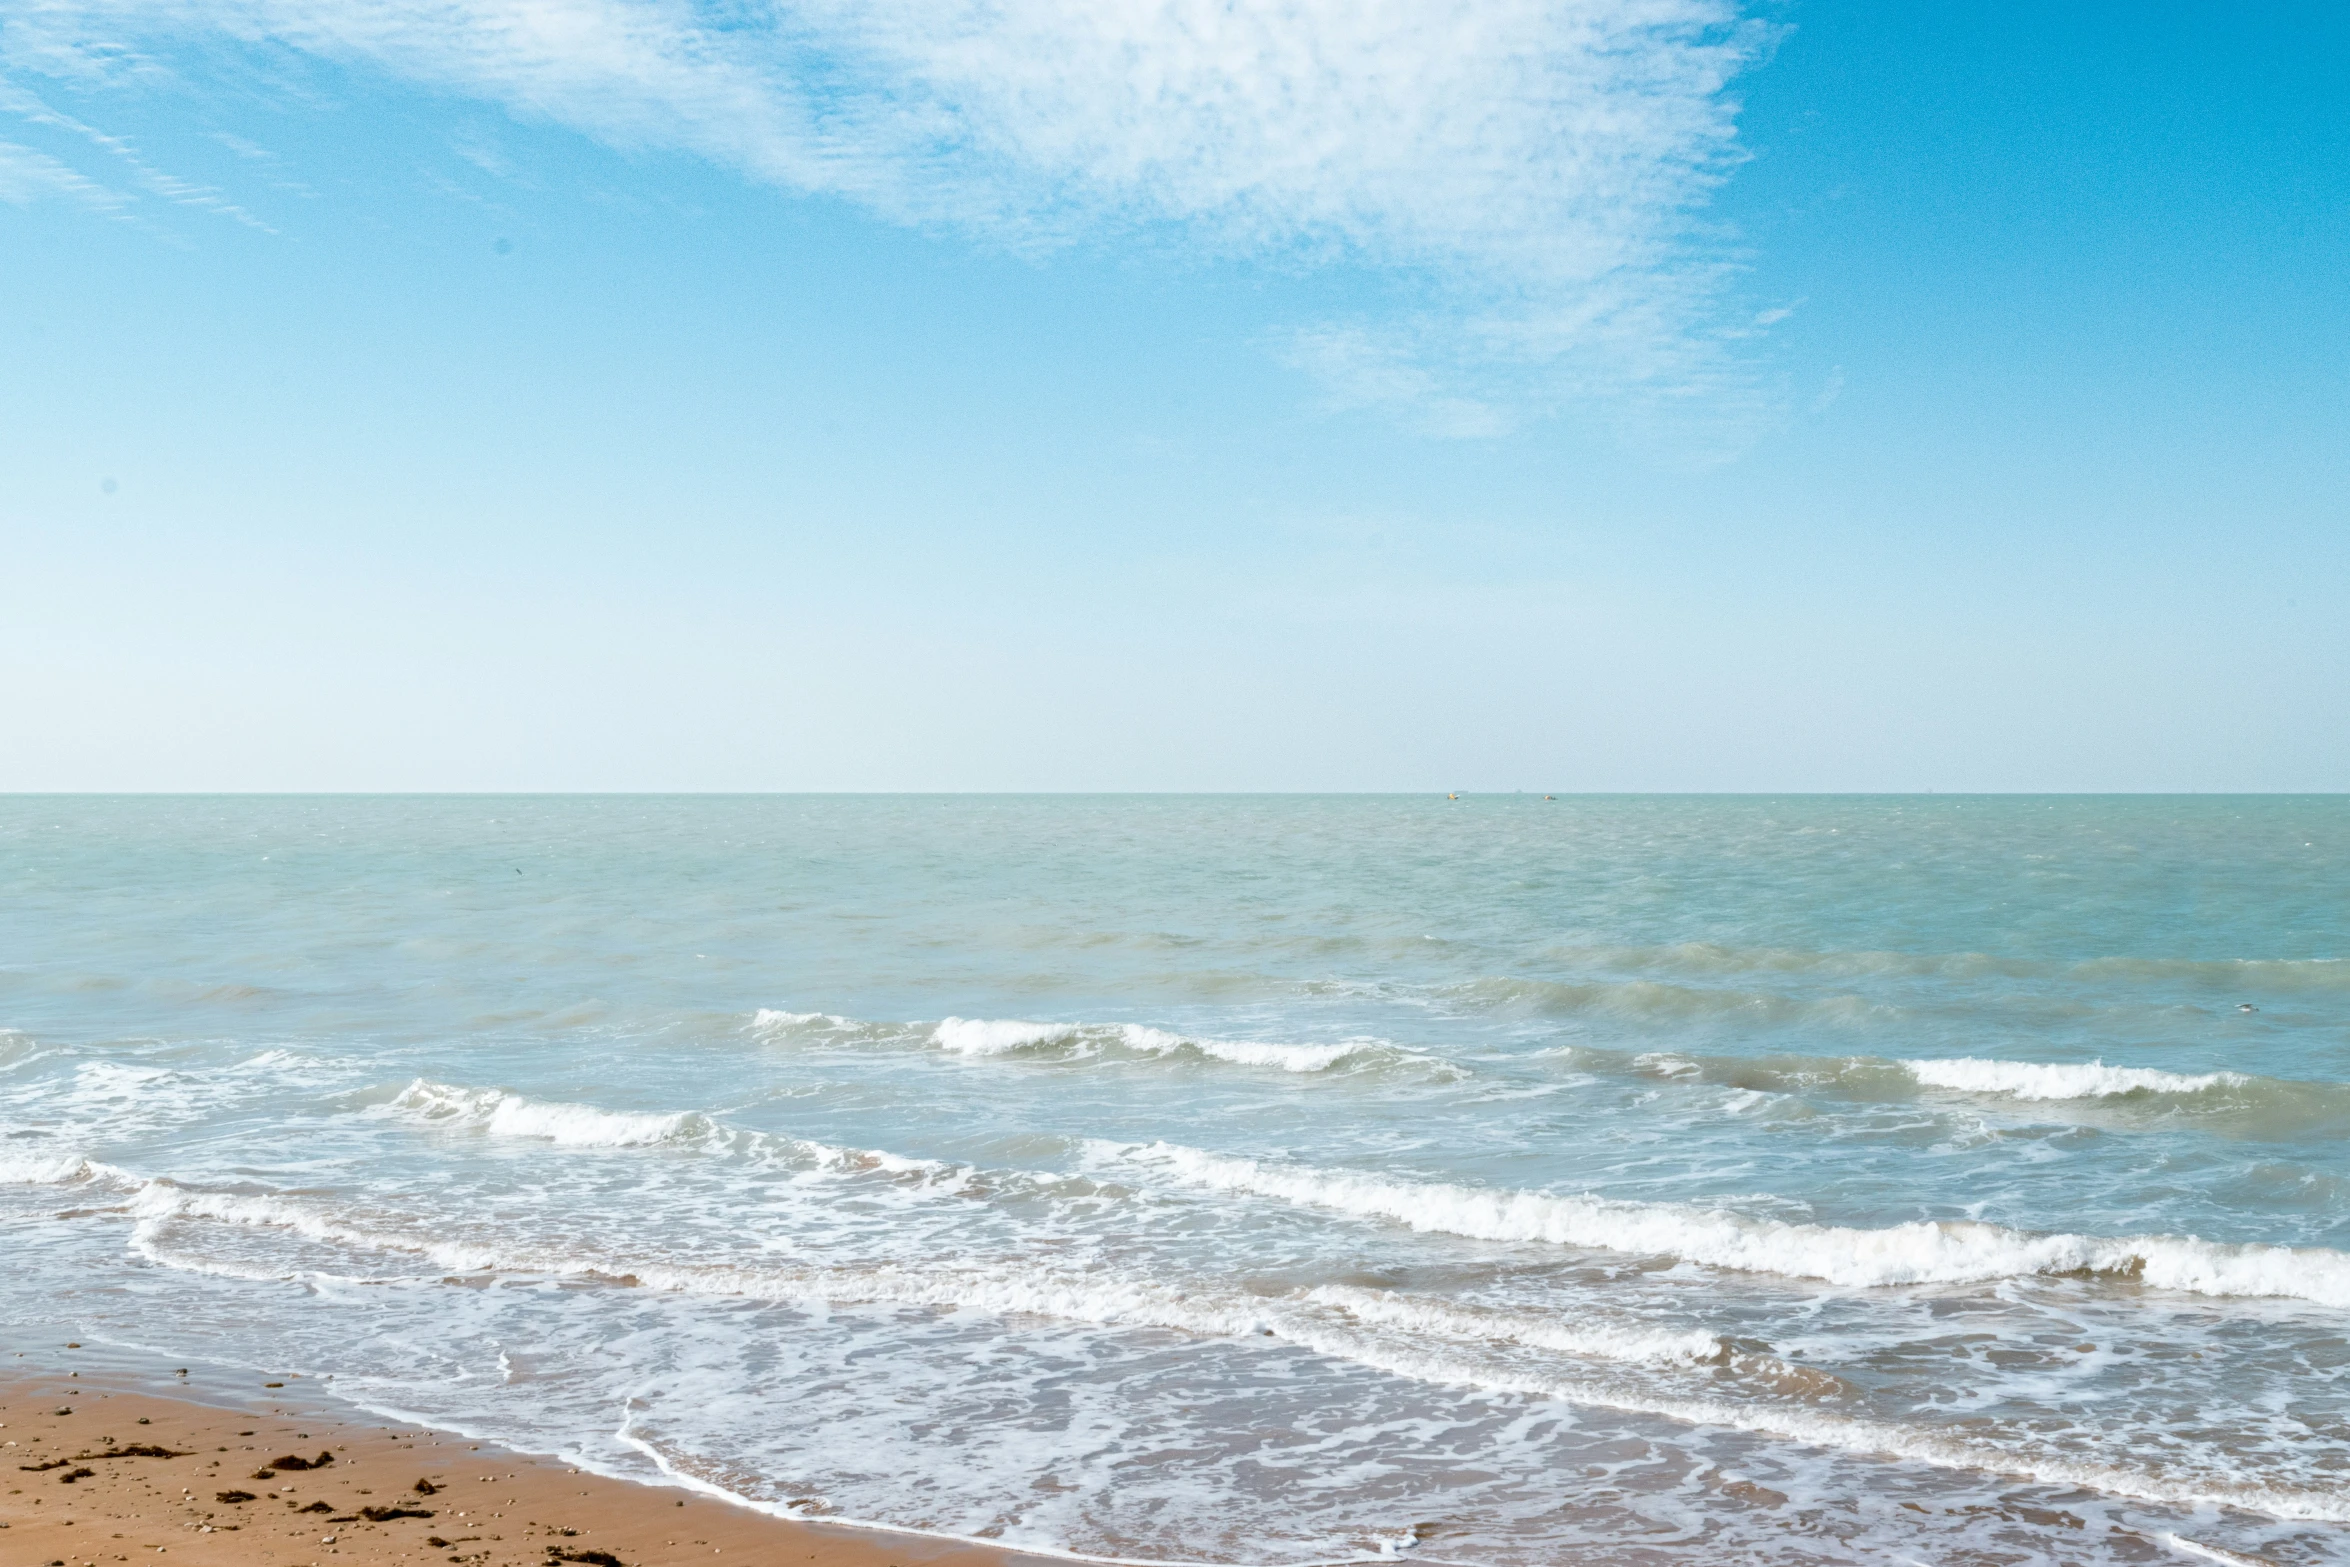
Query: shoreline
x,y
101,1471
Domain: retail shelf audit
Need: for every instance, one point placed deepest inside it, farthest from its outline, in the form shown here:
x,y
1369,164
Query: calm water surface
x,y
1282,1180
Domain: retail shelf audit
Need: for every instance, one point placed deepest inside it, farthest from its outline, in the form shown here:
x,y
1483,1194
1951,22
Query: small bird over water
x,y
2246,1006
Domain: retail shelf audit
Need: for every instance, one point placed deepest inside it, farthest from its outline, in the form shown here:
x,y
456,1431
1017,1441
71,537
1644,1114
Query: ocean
x,y
1281,1179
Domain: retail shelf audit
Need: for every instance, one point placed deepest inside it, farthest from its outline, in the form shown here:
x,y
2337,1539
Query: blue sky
x,y
1635,394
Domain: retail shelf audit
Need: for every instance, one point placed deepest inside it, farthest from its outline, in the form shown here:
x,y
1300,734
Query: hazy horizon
x,y
1537,794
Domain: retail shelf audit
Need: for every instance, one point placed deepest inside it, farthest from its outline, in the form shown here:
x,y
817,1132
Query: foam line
x,y
981,1038
1943,1251
1346,1326
2214,1553
504,1114
499,1113
2040,1080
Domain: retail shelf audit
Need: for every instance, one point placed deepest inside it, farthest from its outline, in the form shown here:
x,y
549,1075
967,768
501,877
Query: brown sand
x,y
91,1477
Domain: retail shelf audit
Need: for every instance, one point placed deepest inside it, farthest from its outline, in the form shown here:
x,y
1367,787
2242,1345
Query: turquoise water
x,y
1235,1179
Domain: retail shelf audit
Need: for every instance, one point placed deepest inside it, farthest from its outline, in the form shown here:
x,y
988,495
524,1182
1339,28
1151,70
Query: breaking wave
x,y
1591,1357
975,1036
504,1114
25,1162
2270,1106
2042,1080
1436,1341
1933,1251
498,1113
985,1037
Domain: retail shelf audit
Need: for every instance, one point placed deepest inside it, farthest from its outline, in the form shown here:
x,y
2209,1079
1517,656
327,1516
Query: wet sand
x,y
91,1477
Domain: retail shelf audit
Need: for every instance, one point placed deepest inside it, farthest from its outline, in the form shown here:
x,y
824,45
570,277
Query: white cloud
x,y
1528,170
1360,367
156,182
27,176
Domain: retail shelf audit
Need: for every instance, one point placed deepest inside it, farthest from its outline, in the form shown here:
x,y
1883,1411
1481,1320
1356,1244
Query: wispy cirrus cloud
x,y
28,175
1528,175
144,175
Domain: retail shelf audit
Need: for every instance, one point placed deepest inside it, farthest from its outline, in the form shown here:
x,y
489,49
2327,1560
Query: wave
x,y
1428,1340
2021,1454
1596,1359
973,1036
500,1113
1593,1336
2045,1080
2265,1106
2020,1080
1009,1289
986,1037
1931,1251
504,1114
1919,1252
24,1164
1040,1289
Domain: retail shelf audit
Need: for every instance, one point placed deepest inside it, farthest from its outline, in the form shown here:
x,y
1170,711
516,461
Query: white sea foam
x,y
990,1036
1045,1288
17,1048
1591,1333
504,1114
977,1036
277,1060
1429,1341
1665,1063
148,1240
769,1019
981,1037
2213,1553
36,1162
2019,1453
1924,1252
1248,1052
2045,1080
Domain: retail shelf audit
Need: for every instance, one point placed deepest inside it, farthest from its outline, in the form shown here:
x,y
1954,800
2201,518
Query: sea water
x,y
1496,1180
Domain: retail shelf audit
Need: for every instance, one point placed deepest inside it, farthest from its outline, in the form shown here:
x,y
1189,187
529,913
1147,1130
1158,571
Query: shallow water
x,y
1236,1179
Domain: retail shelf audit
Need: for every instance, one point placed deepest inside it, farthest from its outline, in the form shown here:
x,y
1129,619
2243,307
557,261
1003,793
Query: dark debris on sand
x,y
292,1461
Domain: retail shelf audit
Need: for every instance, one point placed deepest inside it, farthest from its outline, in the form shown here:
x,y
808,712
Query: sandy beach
x,y
97,1476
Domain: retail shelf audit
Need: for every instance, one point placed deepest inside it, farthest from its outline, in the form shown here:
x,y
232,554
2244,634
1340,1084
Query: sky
x,y
1173,394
